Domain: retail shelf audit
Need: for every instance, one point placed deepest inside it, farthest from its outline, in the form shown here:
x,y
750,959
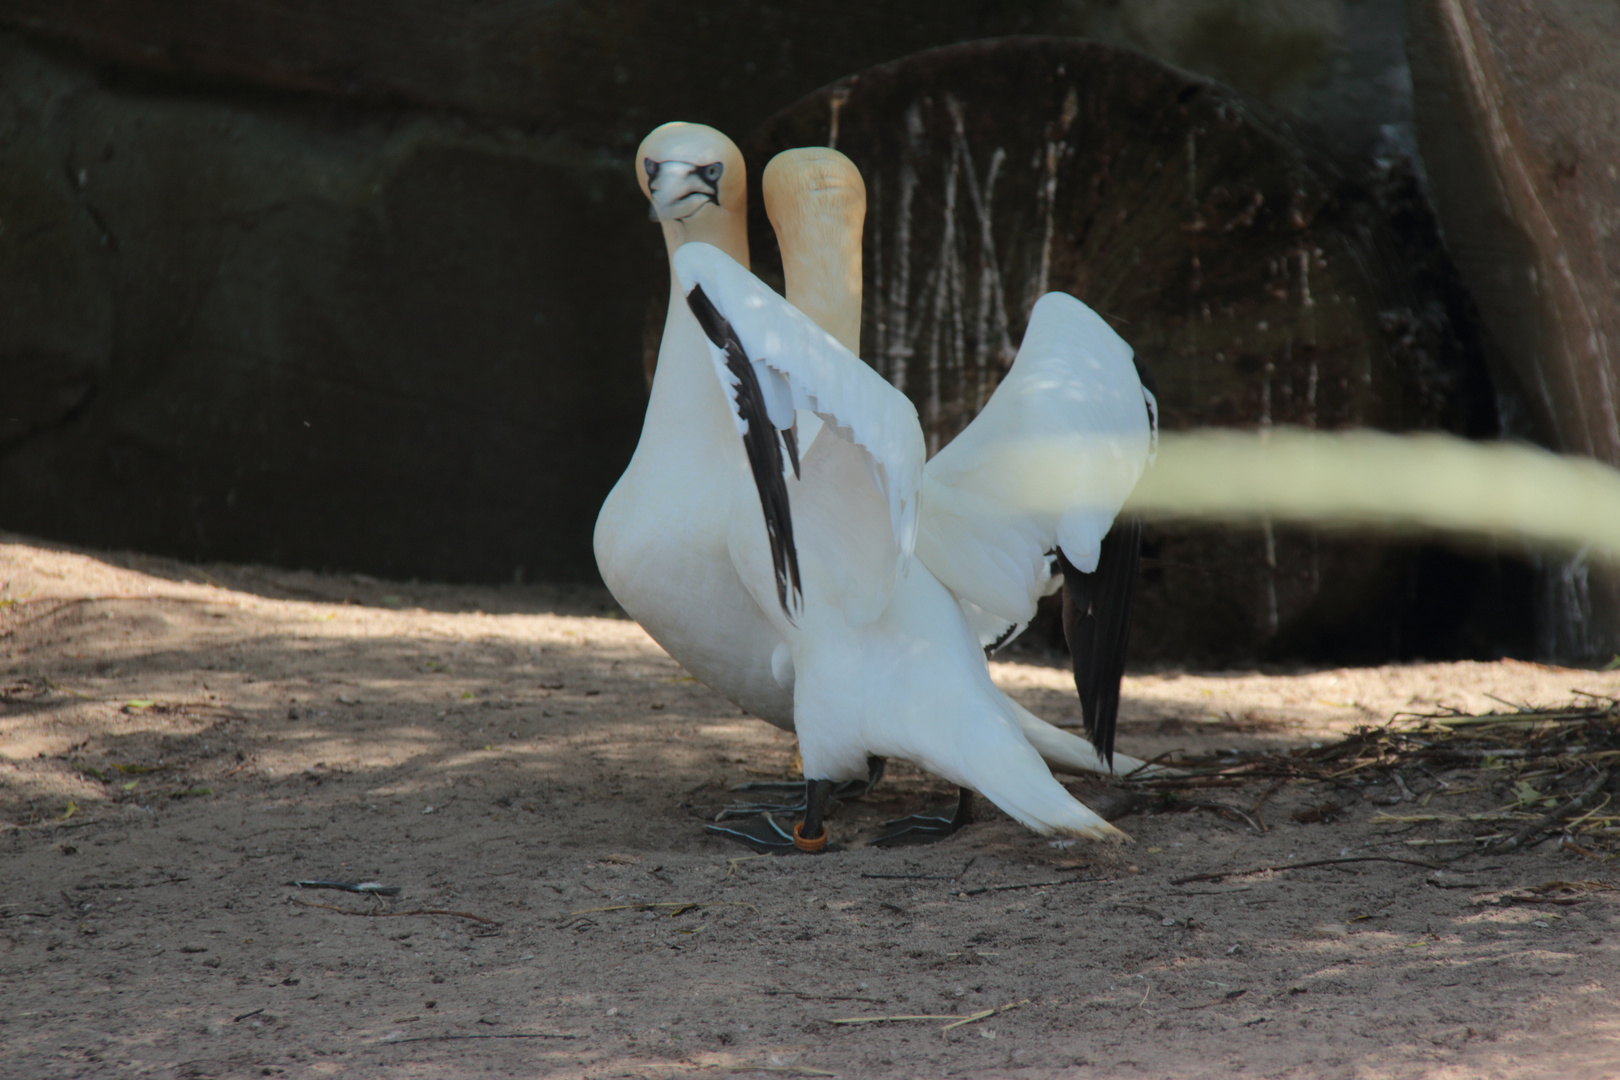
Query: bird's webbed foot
x,y
930,826
768,835
762,832
787,791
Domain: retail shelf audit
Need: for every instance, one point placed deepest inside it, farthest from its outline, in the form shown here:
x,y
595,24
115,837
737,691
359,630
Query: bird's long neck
x,y
818,209
686,399
725,229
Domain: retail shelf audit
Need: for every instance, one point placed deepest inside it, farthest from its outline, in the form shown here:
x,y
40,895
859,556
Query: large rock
x,y
415,230
315,337
412,226
1253,273
1518,106
605,71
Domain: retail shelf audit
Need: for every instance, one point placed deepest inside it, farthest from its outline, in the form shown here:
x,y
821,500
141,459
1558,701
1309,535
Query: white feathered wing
x,y
883,659
1048,463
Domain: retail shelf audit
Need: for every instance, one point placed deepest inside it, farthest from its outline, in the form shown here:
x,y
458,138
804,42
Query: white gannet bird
x,y
816,202
661,535
883,660
661,538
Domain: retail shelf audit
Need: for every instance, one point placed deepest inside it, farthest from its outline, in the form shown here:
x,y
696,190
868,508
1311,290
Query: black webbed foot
x,y
847,791
763,832
929,827
768,835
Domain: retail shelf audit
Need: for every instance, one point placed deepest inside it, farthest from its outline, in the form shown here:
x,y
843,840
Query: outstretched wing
x,y
773,361
1044,469
763,442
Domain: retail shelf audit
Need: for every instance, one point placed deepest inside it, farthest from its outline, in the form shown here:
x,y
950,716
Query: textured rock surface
x,y
413,228
1519,117
308,336
221,220
415,231
608,70
1254,276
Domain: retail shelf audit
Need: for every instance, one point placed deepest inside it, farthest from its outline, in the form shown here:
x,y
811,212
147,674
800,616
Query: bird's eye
x,y
711,173
651,166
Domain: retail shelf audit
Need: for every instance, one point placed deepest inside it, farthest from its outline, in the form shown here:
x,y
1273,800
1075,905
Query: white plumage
x,y
886,663
680,542
1046,464
661,535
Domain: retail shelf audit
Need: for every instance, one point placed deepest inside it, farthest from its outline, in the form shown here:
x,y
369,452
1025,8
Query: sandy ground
x,y
179,743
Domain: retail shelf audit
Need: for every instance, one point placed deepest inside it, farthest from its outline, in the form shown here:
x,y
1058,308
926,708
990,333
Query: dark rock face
x,y
1254,277
364,285
1518,107
413,226
310,337
601,73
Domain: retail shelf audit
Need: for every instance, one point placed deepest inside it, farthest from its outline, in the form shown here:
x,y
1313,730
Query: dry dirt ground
x,y
179,743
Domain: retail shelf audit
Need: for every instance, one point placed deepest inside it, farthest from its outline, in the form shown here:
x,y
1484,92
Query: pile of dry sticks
x,y
1558,767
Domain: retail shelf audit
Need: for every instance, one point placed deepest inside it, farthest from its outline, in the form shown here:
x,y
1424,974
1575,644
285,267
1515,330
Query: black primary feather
x,y
764,451
790,439
1097,624
1097,613
1151,385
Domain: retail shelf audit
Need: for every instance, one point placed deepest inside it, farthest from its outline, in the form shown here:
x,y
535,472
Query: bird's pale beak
x,y
680,189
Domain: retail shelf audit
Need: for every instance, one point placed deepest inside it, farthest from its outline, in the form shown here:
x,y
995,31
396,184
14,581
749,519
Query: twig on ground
x,y
370,888
60,689
909,877
393,914
1219,875
1569,845
797,1070
681,906
514,1035
1190,782
1219,808
1030,885
731,864
955,1021
983,1014
891,1019
1222,1000
1271,789
1551,820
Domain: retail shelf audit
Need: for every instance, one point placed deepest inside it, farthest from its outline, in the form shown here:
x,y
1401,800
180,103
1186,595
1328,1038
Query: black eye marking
x,y
651,166
711,173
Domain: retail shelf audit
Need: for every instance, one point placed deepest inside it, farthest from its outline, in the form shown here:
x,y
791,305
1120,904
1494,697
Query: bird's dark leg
x,y
964,808
926,828
811,834
846,791
766,834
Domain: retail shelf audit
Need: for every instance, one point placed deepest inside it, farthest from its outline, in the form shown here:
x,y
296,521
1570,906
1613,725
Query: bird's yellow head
x,y
697,186
816,201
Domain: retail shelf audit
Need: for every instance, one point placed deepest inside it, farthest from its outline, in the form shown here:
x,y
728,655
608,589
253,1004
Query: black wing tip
x,y
790,439
1097,624
1144,375
715,327
763,448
